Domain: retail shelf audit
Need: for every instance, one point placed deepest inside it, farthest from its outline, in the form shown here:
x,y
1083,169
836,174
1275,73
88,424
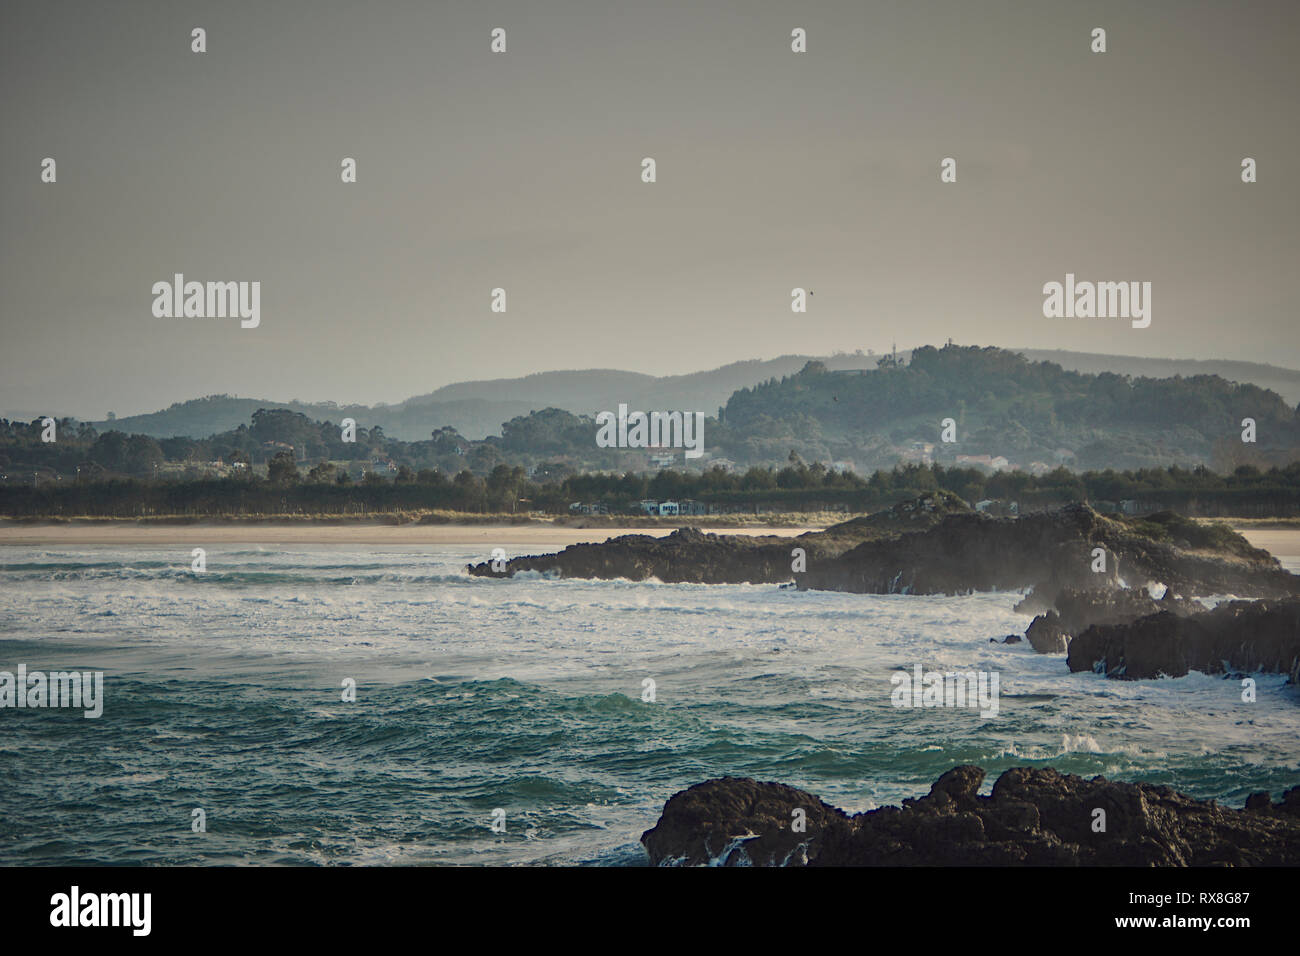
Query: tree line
x,y
286,490
1000,404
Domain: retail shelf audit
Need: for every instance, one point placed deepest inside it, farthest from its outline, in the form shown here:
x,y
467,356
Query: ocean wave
x,y
223,690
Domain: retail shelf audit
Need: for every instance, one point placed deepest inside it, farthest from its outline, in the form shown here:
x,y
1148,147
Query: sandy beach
x,y
1279,543
268,533
1282,543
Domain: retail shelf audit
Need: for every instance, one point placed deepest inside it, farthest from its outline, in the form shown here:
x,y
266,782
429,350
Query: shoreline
x,y
131,531
541,532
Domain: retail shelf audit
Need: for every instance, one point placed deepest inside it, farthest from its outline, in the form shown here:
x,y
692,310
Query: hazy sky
x,y
523,170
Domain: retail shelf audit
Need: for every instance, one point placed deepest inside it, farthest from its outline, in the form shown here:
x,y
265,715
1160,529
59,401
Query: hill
x,y
477,409
1284,381
1034,414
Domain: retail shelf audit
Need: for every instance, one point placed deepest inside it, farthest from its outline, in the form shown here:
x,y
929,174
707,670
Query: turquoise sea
x,y
223,692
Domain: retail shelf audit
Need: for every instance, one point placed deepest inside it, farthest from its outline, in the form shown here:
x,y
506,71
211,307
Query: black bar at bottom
x,y
332,904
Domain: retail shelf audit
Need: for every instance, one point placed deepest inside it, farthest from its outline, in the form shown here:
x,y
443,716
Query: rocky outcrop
x,y
736,821
1076,609
1051,552
1289,804
686,555
1033,817
689,555
1237,636
1046,635
932,546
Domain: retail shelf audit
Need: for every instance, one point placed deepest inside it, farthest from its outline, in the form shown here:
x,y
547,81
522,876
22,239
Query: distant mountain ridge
x,y
586,392
478,408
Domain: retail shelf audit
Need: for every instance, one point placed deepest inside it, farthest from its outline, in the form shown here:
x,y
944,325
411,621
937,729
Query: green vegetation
x,y
795,488
80,451
477,409
1191,535
1036,415
1005,405
869,436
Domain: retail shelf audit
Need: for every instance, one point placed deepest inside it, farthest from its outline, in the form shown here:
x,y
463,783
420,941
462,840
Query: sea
x,y
347,705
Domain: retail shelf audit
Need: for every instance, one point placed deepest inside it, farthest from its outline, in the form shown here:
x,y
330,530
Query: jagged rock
x,y
736,821
1033,817
1290,802
690,555
1050,552
686,555
1076,609
1247,636
1259,801
1045,634
1081,608
939,549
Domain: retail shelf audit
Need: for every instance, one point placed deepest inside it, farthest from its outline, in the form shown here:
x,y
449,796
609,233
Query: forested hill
x,y
478,409
204,417
1007,413
1004,405
1284,381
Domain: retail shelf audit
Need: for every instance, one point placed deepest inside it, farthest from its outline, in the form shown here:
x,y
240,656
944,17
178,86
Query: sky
x,y
522,170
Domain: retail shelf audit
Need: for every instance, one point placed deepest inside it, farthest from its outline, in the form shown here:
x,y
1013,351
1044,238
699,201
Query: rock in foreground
x,y
1034,817
735,819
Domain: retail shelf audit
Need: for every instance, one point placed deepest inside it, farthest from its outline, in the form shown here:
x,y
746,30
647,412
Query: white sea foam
x,y
747,669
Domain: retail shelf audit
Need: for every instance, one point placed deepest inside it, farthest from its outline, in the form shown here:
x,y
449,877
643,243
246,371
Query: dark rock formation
x,y
1046,635
1248,636
1034,817
1051,552
1075,609
1290,803
685,555
736,821
688,555
932,546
